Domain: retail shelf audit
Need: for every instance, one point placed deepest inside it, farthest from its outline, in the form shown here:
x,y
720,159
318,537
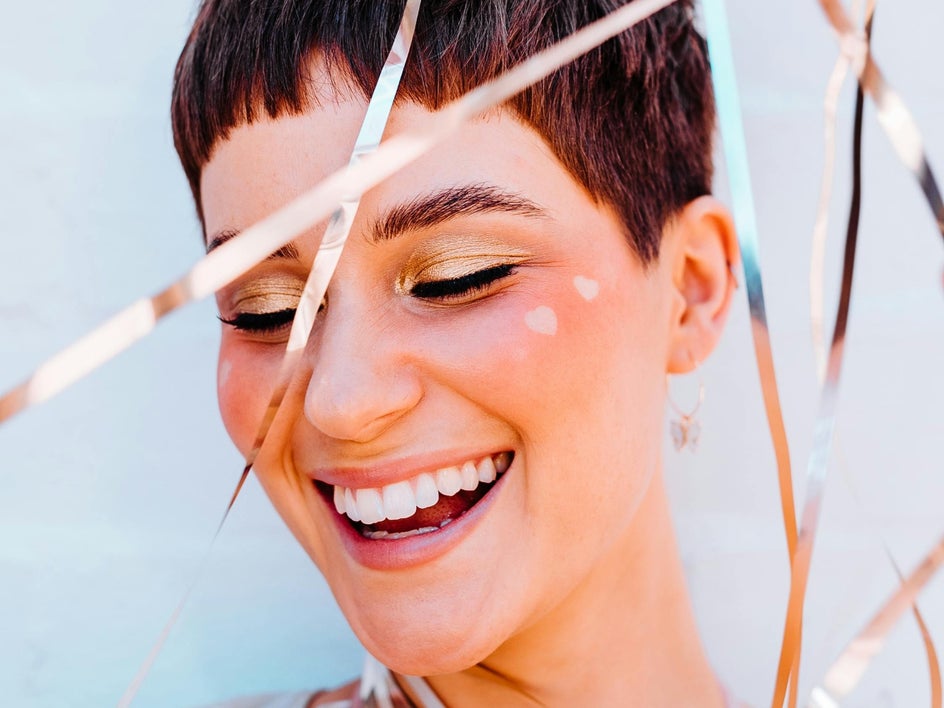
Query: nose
x,y
361,382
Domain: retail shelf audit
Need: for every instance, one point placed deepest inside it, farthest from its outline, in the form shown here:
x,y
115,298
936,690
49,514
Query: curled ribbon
x,y
370,164
326,260
735,148
900,126
239,254
852,662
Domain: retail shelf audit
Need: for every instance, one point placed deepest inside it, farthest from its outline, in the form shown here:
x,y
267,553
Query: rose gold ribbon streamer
x,y
788,672
848,669
339,228
893,114
242,252
821,224
237,255
905,137
832,688
329,252
729,118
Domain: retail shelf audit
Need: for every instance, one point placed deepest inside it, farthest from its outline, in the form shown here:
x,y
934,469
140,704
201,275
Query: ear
x,y
704,254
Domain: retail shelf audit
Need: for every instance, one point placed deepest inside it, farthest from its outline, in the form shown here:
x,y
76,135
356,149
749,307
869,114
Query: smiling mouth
x,y
424,504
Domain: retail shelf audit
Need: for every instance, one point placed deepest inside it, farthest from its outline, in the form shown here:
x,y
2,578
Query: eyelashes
x,y
464,288
261,322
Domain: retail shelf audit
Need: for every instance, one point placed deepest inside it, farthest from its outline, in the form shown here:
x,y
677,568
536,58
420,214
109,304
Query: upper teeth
x,y
400,500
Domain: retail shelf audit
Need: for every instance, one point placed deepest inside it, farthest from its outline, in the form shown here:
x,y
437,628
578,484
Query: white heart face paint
x,y
542,320
587,288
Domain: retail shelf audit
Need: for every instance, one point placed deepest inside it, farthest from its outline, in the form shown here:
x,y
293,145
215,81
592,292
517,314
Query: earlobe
x,y
705,256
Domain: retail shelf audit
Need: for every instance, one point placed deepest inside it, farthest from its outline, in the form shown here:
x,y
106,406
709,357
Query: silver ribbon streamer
x,y
849,668
242,252
732,131
852,662
735,149
339,228
893,114
239,254
905,136
322,270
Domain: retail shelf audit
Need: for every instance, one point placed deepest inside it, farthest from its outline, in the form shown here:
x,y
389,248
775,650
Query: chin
x,y
421,640
425,653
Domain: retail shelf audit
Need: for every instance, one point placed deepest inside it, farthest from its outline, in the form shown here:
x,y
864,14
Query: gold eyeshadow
x,y
456,257
267,294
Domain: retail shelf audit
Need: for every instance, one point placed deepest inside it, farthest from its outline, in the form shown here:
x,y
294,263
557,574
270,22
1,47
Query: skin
x,y
569,590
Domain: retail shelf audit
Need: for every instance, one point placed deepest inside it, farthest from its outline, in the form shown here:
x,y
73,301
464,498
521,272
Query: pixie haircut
x,y
631,120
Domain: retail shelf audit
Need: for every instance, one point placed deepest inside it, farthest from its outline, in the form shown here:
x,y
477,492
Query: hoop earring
x,y
686,429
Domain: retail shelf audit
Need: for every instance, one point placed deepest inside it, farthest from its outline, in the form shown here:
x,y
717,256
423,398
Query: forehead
x,y
262,166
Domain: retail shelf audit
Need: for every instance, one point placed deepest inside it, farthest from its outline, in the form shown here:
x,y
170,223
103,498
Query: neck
x,y
625,635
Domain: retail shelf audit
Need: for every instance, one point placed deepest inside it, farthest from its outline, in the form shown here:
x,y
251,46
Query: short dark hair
x,y
632,120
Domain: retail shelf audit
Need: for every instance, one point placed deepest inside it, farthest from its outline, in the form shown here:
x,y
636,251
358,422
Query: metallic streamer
x,y
848,669
788,668
821,224
893,114
369,166
902,130
242,252
732,131
840,679
329,252
339,228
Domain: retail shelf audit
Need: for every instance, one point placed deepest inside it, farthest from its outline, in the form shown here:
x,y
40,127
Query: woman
x,y
470,451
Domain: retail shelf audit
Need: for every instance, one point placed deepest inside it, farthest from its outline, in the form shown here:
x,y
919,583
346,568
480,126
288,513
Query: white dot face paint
x,y
541,320
222,376
587,288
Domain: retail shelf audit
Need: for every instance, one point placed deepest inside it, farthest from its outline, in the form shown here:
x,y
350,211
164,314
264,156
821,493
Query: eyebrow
x,y
288,251
437,207
423,212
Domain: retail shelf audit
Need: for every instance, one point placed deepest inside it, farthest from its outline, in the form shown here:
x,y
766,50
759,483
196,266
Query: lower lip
x,y
396,554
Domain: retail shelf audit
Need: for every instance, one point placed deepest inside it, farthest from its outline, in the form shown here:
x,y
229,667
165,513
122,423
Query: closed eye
x,y
262,322
463,286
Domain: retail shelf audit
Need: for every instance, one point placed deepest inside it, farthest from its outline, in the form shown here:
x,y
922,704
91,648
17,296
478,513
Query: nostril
x,y
356,404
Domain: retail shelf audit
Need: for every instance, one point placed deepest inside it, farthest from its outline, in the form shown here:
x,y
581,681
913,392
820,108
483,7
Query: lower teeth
x,y
386,535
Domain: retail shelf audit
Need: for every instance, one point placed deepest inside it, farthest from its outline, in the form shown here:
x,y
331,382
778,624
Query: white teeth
x,y
350,505
427,494
449,481
470,476
377,535
486,471
399,501
370,506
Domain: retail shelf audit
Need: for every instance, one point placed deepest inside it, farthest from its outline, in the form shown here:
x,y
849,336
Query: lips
x,y
422,504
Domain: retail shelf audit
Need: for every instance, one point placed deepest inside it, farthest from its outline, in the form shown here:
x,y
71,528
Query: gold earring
x,y
686,429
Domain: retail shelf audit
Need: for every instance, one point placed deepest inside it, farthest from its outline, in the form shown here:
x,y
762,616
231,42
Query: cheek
x,y
545,348
587,287
541,319
243,388
223,370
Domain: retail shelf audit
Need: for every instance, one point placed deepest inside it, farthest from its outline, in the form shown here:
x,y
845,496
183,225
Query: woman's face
x,y
487,318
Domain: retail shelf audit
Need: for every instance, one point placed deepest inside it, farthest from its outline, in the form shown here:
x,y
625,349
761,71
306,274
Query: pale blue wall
x,y
109,494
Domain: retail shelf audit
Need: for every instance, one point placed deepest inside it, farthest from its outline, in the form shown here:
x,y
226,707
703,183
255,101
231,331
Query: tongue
x,y
447,508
